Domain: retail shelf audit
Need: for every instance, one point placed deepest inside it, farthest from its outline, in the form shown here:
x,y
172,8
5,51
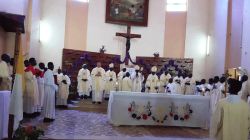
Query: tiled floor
x,y
87,121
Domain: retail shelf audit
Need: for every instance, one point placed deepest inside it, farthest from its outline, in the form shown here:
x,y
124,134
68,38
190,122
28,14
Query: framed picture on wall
x,y
127,12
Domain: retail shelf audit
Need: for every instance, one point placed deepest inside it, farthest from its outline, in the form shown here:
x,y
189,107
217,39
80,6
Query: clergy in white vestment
x,y
98,79
63,90
202,87
127,83
170,86
110,78
231,119
49,97
32,66
189,84
120,76
209,87
152,83
5,82
178,84
137,80
164,81
84,82
245,90
216,94
29,99
40,82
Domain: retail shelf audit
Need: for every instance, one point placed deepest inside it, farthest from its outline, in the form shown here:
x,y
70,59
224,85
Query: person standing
x,y
110,77
63,90
49,97
5,81
152,83
98,76
84,82
137,80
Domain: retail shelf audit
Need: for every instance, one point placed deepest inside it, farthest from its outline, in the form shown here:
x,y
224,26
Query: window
x,y
83,1
176,5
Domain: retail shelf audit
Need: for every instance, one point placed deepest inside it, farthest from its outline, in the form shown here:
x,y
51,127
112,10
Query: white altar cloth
x,y
160,104
4,113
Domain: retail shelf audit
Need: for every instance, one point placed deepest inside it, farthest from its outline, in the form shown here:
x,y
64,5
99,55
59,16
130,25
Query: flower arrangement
x,y
102,49
185,115
28,133
156,54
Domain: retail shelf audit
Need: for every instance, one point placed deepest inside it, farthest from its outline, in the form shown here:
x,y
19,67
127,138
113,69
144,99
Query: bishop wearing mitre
x,y
152,83
110,78
137,79
98,77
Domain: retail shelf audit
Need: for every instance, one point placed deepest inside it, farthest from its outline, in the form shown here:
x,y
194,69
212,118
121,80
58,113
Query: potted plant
x,y
28,133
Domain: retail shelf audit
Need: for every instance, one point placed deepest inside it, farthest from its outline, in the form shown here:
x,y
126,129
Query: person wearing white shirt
x,y
152,83
98,81
165,76
170,86
189,84
63,91
84,82
110,84
245,91
120,76
137,79
127,83
49,97
5,82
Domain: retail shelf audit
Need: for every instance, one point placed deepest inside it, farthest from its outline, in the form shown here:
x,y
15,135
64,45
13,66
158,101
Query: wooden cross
x,y
128,36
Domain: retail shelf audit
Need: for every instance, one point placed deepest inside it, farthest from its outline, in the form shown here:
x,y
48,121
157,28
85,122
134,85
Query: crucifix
x,y
128,36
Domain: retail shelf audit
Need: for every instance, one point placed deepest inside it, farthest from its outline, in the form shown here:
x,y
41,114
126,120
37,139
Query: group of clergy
x,y
40,87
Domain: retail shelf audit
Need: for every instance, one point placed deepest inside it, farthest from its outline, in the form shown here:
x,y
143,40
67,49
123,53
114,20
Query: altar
x,y
4,113
134,108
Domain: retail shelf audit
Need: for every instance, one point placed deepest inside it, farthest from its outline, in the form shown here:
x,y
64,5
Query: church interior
x,y
123,69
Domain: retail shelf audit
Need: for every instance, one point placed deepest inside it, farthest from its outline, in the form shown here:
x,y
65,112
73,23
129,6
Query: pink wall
x,y
76,25
235,41
175,34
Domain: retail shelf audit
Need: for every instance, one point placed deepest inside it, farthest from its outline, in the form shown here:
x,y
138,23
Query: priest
x,y
98,77
120,76
5,82
137,80
127,83
40,82
231,119
152,83
49,97
110,84
84,82
165,76
63,90
189,85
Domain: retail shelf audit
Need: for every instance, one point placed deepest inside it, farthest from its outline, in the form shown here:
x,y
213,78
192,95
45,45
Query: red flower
x,y
171,114
186,117
129,109
145,117
29,130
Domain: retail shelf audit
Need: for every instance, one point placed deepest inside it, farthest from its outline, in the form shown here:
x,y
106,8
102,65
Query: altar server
x,y
63,91
49,97
5,81
152,83
137,79
31,67
84,82
127,83
29,100
40,82
165,76
231,119
98,77
189,85
216,93
120,76
209,87
110,84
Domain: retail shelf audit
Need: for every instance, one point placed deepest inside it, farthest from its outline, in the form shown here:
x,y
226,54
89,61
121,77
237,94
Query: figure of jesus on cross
x,y
128,36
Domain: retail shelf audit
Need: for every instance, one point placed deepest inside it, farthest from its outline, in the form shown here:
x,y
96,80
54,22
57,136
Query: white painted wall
x,y
245,38
215,62
196,35
53,15
100,33
34,49
13,6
